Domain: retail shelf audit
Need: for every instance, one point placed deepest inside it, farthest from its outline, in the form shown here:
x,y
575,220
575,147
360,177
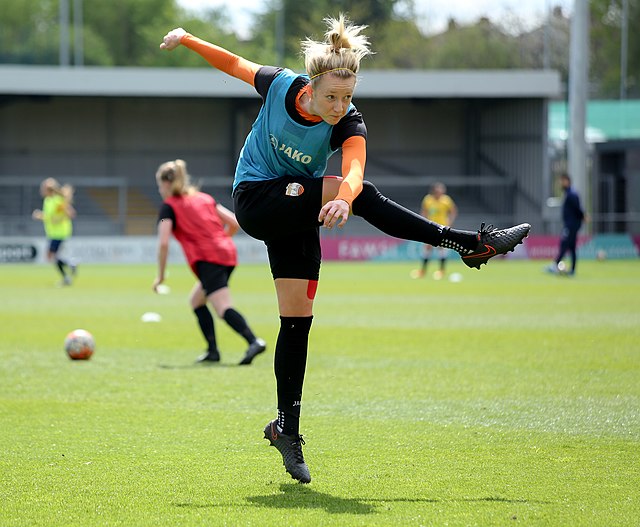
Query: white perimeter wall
x,y
113,250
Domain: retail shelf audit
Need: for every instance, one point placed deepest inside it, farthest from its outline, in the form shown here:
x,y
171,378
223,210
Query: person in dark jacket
x,y
572,218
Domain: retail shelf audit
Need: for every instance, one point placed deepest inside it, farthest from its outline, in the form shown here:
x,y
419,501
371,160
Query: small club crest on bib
x,y
294,189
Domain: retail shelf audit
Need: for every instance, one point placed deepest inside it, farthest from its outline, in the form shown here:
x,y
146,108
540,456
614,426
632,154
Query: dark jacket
x,y
572,213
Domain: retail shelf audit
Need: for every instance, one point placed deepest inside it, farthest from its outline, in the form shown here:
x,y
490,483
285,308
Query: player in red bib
x,y
204,229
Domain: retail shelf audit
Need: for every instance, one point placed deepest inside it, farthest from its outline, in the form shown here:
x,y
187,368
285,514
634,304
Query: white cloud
x,y
435,14
239,10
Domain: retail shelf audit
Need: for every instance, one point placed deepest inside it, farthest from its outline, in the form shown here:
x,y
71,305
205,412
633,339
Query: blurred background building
x,y
87,97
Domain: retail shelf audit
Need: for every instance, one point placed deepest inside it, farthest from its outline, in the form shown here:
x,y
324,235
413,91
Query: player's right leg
x,y
53,256
284,214
206,324
295,267
290,360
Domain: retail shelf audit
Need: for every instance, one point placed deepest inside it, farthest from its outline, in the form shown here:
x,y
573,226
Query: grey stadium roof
x,y
203,82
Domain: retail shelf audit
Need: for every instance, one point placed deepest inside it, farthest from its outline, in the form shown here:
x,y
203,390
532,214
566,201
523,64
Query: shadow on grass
x,y
196,366
501,500
297,496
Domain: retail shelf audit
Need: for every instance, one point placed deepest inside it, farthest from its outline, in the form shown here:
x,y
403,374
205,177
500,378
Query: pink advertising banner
x,y
611,246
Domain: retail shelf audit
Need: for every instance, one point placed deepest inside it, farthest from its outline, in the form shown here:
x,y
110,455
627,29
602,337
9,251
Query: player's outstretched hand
x,y
335,212
172,39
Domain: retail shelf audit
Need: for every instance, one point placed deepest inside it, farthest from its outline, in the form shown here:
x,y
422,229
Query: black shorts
x,y
283,213
213,276
54,246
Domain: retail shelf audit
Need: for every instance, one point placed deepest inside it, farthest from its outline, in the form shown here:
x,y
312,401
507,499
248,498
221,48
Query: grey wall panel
x,y
419,137
121,137
512,143
423,138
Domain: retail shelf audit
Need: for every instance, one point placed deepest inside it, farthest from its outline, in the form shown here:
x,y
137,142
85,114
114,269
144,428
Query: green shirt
x,y
57,224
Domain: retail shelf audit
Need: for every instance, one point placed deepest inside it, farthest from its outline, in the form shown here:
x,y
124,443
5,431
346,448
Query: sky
x,y
433,15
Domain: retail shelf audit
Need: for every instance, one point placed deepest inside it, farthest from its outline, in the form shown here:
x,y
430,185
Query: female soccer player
x,y
282,196
204,229
438,207
56,215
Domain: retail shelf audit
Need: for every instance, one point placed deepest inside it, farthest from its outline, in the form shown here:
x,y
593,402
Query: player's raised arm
x,y
218,57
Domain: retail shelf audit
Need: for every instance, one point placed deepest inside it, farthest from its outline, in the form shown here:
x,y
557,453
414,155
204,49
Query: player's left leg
x,y
572,247
221,301
393,219
215,283
442,255
426,255
565,244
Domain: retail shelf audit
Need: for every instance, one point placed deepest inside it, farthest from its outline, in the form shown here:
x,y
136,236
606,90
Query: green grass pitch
x,y
509,398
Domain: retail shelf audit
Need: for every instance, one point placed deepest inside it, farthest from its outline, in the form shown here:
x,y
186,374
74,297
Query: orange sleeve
x,y
354,155
222,59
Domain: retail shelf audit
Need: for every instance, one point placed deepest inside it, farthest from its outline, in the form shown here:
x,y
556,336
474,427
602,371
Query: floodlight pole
x,y
280,32
63,15
546,62
624,49
78,34
578,96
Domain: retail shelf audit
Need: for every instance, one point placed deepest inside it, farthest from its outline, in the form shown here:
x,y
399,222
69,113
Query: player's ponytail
x,y
66,191
339,53
175,172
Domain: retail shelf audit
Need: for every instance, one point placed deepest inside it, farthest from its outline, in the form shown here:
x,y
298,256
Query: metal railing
x,y
19,196
479,199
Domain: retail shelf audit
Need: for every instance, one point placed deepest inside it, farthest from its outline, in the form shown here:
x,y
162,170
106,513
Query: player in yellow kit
x,y
56,215
438,207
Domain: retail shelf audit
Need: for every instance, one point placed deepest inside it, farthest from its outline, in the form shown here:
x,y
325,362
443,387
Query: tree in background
x,y
479,46
114,33
127,32
119,32
394,35
547,46
26,32
605,38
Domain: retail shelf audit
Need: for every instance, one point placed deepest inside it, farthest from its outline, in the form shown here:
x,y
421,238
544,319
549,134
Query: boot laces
x,y
297,443
487,232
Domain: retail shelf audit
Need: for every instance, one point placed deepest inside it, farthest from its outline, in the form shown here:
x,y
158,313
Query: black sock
x,y
425,262
463,242
290,362
237,322
393,219
205,320
61,264
442,263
